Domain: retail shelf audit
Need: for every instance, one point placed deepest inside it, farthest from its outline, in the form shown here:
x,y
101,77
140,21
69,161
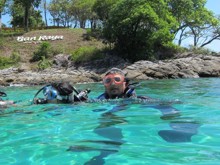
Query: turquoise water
x,y
117,132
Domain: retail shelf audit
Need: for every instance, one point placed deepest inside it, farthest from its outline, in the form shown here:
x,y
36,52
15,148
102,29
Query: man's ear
x,y
126,84
127,80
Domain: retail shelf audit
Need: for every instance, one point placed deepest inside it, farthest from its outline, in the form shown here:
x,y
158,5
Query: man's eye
x,y
108,80
117,79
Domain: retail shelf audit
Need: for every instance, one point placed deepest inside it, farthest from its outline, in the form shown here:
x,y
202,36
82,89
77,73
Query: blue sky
x,y
213,5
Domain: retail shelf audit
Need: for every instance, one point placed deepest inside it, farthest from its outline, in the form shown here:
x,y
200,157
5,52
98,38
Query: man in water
x,y
117,85
61,93
5,103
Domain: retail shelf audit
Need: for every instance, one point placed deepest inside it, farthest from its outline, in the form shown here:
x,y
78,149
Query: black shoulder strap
x,y
129,90
75,90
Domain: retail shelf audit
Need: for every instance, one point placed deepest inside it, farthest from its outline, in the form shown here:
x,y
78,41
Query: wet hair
x,y
116,71
63,88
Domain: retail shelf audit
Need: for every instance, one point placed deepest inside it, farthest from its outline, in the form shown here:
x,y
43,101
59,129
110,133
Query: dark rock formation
x,y
189,66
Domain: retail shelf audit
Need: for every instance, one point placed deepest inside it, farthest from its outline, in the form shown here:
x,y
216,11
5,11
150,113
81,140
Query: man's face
x,y
114,84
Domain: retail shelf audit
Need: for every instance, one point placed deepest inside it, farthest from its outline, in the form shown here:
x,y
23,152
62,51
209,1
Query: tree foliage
x,y
82,11
194,20
103,8
27,4
60,10
17,15
34,20
138,27
76,11
42,53
2,5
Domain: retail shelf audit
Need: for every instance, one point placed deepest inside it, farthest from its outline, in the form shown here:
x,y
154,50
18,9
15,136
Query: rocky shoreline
x,y
182,66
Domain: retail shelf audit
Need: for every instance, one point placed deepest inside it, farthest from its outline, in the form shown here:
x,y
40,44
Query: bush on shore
x,y
6,62
85,54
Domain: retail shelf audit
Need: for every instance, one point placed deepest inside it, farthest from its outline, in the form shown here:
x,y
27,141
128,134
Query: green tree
x,y
194,20
211,34
103,8
2,5
34,20
27,4
54,10
82,11
44,8
139,27
45,12
17,14
205,29
60,10
181,10
77,11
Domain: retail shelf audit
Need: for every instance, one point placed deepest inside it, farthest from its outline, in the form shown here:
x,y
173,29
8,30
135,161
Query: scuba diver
x,y
117,86
5,103
61,93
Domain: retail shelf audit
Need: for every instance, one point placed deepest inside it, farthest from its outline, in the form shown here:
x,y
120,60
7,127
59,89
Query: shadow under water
x,y
182,130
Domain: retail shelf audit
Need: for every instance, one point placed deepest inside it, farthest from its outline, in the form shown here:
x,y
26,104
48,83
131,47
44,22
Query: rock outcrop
x,y
188,67
193,66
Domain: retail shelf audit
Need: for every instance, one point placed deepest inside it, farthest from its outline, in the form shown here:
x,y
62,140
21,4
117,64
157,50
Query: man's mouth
x,y
113,89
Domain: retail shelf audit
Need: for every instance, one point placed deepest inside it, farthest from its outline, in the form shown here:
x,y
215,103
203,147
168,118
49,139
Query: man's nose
x,y
112,82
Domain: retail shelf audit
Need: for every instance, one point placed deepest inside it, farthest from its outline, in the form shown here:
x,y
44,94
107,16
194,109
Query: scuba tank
x,y
50,93
82,95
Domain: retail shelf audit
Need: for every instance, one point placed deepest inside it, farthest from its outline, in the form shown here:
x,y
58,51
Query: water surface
x,y
180,127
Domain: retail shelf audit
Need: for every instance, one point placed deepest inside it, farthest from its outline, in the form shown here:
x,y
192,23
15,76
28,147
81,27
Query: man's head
x,y
115,82
61,92
64,88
